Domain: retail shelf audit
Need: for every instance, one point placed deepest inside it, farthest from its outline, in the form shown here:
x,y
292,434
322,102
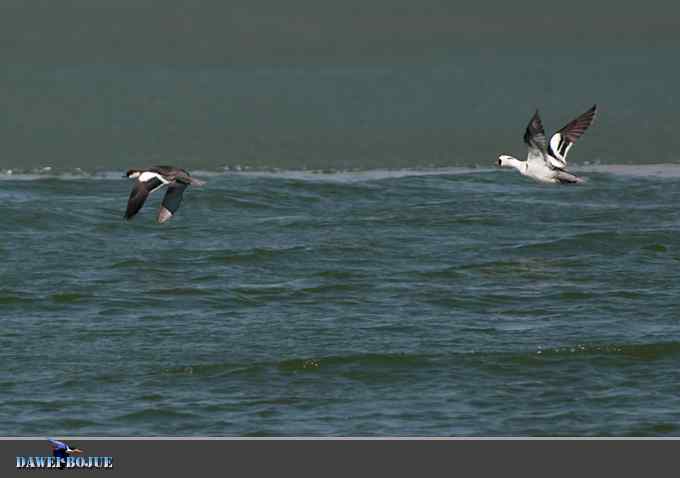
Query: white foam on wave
x,y
302,175
48,173
355,176
661,170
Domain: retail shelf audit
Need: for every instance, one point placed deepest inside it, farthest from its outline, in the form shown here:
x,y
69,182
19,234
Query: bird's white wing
x,y
562,141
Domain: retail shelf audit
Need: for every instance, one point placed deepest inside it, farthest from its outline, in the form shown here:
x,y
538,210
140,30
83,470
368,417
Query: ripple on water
x,y
69,297
367,304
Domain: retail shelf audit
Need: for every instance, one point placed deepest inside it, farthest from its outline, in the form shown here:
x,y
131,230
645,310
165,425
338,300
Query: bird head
x,y
503,160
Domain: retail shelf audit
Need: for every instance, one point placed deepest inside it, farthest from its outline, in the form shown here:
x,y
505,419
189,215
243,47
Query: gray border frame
x,y
320,457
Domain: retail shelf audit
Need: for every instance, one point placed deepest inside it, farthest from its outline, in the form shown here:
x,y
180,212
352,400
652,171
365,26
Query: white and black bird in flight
x,y
547,161
154,178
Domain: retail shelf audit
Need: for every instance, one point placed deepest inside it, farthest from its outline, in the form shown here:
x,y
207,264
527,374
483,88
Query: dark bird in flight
x,y
154,178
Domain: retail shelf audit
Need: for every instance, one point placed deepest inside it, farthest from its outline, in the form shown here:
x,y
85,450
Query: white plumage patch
x,y
560,147
148,176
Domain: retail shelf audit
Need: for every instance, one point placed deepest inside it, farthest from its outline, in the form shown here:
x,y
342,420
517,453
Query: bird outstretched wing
x,y
535,139
534,136
562,141
140,191
171,201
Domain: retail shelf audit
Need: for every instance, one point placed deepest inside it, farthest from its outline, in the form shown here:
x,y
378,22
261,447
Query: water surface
x,y
423,302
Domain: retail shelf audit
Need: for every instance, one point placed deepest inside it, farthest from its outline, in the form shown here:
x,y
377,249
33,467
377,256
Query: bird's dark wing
x,y
140,191
562,141
172,173
171,201
534,136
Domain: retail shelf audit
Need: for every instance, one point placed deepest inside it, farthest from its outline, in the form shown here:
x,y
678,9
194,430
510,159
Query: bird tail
x,y
565,177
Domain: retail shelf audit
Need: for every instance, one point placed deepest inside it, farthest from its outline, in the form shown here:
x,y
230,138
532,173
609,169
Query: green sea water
x,y
451,302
